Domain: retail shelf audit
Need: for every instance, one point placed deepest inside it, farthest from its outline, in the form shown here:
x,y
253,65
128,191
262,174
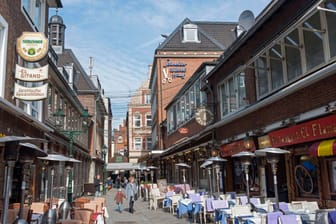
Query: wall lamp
x,y
331,108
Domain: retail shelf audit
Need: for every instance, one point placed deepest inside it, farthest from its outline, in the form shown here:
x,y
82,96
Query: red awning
x,y
323,148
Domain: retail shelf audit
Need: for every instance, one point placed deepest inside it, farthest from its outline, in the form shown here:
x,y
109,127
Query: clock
x,y
203,116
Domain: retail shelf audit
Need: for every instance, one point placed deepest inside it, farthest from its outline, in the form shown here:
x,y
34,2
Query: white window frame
x,y
137,143
137,118
31,12
190,33
229,105
3,54
147,98
149,143
148,120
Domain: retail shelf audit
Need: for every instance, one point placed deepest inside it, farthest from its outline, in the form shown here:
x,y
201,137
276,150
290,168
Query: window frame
x,y
3,53
190,33
30,13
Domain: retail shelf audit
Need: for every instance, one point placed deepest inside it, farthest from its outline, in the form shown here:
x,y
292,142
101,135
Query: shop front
x,y
310,166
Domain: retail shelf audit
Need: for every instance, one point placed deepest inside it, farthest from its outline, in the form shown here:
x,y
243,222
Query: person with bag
x,y
131,192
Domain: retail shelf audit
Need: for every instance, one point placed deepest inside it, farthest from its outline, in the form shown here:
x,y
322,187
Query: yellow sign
x,y
32,46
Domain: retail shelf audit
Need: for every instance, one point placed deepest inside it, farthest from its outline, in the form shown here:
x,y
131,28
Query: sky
x,y
121,36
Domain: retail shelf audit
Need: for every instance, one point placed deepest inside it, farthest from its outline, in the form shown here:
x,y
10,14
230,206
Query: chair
x,y
155,198
272,217
37,209
79,202
239,211
291,218
243,200
208,209
83,214
255,201
12,214
91,205
174,202
222,210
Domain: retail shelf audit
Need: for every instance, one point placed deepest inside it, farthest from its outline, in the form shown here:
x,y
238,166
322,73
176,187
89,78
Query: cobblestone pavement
x,y
141,215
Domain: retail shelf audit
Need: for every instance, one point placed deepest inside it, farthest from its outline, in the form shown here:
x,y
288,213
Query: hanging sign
x,y
31,74
30,93
32,46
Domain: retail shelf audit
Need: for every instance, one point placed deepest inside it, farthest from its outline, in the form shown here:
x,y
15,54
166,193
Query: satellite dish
x,y
246,20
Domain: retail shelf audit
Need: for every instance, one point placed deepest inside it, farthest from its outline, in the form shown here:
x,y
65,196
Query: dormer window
x,y
190,33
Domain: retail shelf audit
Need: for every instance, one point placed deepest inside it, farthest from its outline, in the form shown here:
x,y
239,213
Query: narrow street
x,y
142,214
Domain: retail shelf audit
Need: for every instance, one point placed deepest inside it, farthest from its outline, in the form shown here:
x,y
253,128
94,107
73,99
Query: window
x,y
275,56
232,93
137,120
293,55
148,143
147,99
313,41
331,18
190,33
148,120
34,10
120,139
3,50
137,143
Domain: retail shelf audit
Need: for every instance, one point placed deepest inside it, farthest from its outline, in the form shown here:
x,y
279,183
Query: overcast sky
x,y
121,36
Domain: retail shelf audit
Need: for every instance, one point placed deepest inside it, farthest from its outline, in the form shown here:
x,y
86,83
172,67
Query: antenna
x,y
90,65
246,20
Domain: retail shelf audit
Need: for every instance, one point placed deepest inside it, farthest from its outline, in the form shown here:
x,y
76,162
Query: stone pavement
x,y
141,215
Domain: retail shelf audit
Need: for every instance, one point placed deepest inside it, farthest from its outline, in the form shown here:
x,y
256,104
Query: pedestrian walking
x,y
119,199
97,183
131,193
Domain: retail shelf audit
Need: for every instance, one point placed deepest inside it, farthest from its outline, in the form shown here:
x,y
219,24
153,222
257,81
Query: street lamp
x,y
272,156
245,159
104,151
59,122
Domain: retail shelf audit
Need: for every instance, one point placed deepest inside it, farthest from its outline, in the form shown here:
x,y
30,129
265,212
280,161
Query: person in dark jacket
x,y
97,183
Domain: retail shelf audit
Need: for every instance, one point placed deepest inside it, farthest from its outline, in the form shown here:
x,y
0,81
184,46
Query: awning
x,y
323,148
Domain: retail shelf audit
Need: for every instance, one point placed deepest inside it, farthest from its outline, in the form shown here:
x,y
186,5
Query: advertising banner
x,y
30,93
31,74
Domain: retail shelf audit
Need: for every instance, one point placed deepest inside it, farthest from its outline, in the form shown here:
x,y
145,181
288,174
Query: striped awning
x,y
323,148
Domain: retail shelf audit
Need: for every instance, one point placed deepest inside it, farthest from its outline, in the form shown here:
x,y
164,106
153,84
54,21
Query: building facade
x,y
65,92
176,59
139,123
273,88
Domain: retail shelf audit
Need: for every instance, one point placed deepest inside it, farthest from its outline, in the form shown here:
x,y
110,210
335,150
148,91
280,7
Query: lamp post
x,y
104,151
59,122
272,157
245,159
